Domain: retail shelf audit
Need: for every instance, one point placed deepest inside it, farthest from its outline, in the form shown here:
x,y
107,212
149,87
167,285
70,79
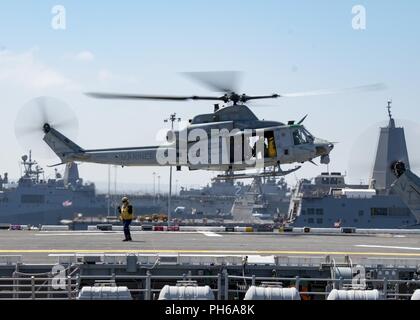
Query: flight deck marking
x,y
261,252
72,234
387,247
107,233
210,234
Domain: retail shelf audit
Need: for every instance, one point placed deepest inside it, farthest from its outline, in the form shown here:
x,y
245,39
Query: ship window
x,y
356,220
311,220
379,211
319,212
333,181
32,198
361,213
325,180
399,212
320,221
311,211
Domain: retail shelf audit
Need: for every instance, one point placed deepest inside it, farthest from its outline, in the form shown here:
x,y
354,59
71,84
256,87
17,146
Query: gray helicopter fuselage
x,y
241,118
282,144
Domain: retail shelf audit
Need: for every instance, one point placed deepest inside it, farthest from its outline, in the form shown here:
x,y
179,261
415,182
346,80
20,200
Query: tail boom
x,y
68,151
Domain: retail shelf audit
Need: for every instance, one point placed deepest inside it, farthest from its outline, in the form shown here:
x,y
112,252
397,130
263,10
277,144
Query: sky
x,y
143,46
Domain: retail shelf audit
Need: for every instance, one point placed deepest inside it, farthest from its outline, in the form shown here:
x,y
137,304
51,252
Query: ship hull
x,y
385,212
48,216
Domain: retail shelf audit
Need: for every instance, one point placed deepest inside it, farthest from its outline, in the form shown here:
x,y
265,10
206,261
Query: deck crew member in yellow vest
x,y
272,151
126,216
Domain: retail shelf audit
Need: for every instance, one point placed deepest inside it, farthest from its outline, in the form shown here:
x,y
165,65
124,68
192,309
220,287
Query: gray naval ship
x,y
264,201
328,201
216,199
212,200
35,200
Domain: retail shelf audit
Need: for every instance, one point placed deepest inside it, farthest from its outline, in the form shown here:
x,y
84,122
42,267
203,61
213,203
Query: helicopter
x,y
230,139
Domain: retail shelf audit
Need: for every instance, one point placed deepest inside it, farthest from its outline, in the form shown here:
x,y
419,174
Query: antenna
x,y
115,191
172,118
391,120
389,108
109,191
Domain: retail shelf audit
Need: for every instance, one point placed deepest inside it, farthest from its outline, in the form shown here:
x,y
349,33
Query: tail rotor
x,y
36,117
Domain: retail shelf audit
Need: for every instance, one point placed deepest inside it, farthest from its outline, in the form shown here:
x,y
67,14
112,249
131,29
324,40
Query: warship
x,y
216,199
35,200
328,201
272,195
211,200
265,200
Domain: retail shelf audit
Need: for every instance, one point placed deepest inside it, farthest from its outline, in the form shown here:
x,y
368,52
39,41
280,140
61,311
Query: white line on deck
x,y
386,247
73,234
119,232
210,234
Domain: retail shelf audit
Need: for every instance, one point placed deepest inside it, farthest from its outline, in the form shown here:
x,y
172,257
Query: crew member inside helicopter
x,y
270,150
271,145
254,147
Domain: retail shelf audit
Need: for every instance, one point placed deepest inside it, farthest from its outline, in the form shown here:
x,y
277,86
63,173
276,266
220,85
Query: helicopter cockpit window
x,y
302,136
309,137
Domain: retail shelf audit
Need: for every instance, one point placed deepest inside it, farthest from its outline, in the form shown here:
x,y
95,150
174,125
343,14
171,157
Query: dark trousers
x,y
127,228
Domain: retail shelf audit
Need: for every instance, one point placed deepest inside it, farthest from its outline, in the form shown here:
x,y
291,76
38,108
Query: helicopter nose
x,y
323,148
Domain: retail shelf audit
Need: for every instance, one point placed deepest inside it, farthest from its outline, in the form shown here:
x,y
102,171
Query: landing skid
x,y
274,173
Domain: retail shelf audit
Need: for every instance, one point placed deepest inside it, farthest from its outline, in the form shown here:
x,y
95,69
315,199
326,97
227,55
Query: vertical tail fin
x,y
63,147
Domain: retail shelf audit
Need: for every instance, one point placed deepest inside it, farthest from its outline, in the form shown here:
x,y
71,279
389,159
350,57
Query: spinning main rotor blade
x,y
148,97
218,81
231,96
369,87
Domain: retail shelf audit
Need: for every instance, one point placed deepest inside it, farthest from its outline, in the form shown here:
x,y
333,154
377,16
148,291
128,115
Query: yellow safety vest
x,y
125,215
272,152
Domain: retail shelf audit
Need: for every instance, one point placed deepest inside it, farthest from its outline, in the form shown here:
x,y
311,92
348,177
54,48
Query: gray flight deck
x,y
43,246
229,262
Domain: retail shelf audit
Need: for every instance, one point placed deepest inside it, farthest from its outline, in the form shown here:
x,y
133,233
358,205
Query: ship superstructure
x,y
328,201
